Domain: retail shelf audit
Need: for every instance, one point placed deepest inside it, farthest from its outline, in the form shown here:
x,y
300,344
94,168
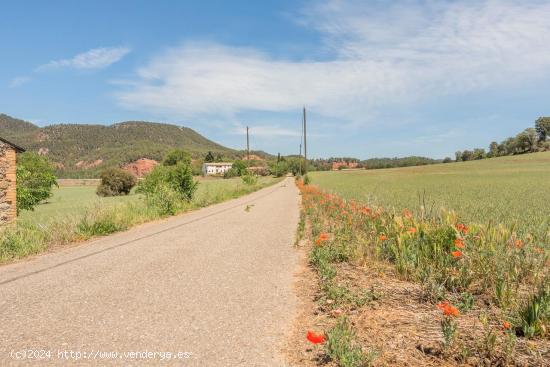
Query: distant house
x,y
343,164
215,169
8,193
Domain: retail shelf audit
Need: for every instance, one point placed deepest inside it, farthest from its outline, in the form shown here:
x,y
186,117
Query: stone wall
x,y
8,209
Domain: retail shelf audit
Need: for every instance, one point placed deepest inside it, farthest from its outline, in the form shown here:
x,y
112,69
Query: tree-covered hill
x,y
83,150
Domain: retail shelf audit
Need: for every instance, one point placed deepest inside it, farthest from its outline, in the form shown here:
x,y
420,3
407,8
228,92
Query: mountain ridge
x,y
83,150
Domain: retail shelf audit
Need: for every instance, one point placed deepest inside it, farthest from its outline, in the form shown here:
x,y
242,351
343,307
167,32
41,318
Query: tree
x,y
209,157
35,180
458,156
467,155
115,182
493,150
447,160
175,156
526,141
478,153
542,126
240,167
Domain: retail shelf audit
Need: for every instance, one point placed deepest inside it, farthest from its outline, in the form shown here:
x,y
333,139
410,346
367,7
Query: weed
x,y
343,348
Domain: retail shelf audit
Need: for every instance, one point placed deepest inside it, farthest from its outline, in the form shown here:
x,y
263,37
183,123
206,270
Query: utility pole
x,y
247,148
305,142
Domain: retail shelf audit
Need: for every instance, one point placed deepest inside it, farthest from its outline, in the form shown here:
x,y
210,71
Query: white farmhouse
x,y
213,169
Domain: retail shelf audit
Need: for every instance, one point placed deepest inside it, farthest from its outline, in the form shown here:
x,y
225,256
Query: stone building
x,y
8,201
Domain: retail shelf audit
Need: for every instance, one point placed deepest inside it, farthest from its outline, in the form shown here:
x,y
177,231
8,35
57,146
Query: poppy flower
x,y
448,309
411,230
459,243
407,213
383,237
518,243
456,254
506,325
461,228
315,338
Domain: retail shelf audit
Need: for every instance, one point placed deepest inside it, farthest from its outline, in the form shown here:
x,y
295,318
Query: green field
x,y
73,201
510,190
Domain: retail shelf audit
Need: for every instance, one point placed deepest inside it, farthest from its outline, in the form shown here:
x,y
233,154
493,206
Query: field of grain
x,y
442,265
508,190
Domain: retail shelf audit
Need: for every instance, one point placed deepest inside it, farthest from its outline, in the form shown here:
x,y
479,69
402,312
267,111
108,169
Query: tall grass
x,y
453,260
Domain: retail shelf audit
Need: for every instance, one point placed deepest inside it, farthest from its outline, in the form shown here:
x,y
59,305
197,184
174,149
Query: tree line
x,y
530,140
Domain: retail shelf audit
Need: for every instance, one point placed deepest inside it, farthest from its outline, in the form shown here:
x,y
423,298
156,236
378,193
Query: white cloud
x,y
382,57
265,130
19,81
97,58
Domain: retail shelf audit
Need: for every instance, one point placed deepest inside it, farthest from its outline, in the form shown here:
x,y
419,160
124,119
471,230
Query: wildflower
x,y
315,338
456,254
407,213
459,243
411,230
383,237
448,309
506,325
518,243
365,210
322,237
461,228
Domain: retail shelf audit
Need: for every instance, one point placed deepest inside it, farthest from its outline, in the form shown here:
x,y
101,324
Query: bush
x,y
164,200
176,156
178,178
307,179
115,182
249,179
232,172
35,179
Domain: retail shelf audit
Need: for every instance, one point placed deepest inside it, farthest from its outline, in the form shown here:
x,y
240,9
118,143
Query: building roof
x,y
217,164
17,148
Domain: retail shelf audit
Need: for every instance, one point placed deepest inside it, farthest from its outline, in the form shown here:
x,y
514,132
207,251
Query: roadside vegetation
x,y
79,213
403,282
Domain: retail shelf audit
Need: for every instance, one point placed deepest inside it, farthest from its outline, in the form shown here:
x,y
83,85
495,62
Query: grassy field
x,y
508,190
74,201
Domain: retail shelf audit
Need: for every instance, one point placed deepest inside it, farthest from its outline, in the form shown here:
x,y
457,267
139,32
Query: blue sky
x,y
379,78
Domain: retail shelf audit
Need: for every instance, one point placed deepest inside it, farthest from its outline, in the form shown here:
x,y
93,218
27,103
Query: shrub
x,y
240,167
115,182
164,200
35,179
307,179
176,156
178,178
249,179
232,172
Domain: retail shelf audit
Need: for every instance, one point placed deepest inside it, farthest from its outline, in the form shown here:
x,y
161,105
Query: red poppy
x,y
411,230
518,243
383,237
315,338
461,228
456,254
506,325
448,309
459,243
407,213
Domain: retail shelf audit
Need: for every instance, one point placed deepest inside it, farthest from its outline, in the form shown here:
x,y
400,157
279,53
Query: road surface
x,y
212,288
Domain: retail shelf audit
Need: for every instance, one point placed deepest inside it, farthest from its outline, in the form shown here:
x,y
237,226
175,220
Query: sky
x,y
378,78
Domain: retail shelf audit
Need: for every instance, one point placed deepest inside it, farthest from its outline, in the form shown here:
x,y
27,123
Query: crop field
x,y
402,281
512,191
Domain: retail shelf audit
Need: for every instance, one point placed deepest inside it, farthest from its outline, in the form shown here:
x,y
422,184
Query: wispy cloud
x,y
19,81
266,130
97,58
400,54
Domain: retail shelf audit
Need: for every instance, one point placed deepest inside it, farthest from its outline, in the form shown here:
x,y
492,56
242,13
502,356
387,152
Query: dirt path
x,y
215,284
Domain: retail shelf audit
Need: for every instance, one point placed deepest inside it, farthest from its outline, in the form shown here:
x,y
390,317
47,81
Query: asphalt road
x,y
212,288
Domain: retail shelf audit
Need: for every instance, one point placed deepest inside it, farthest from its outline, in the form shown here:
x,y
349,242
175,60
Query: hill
x,y
80,150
